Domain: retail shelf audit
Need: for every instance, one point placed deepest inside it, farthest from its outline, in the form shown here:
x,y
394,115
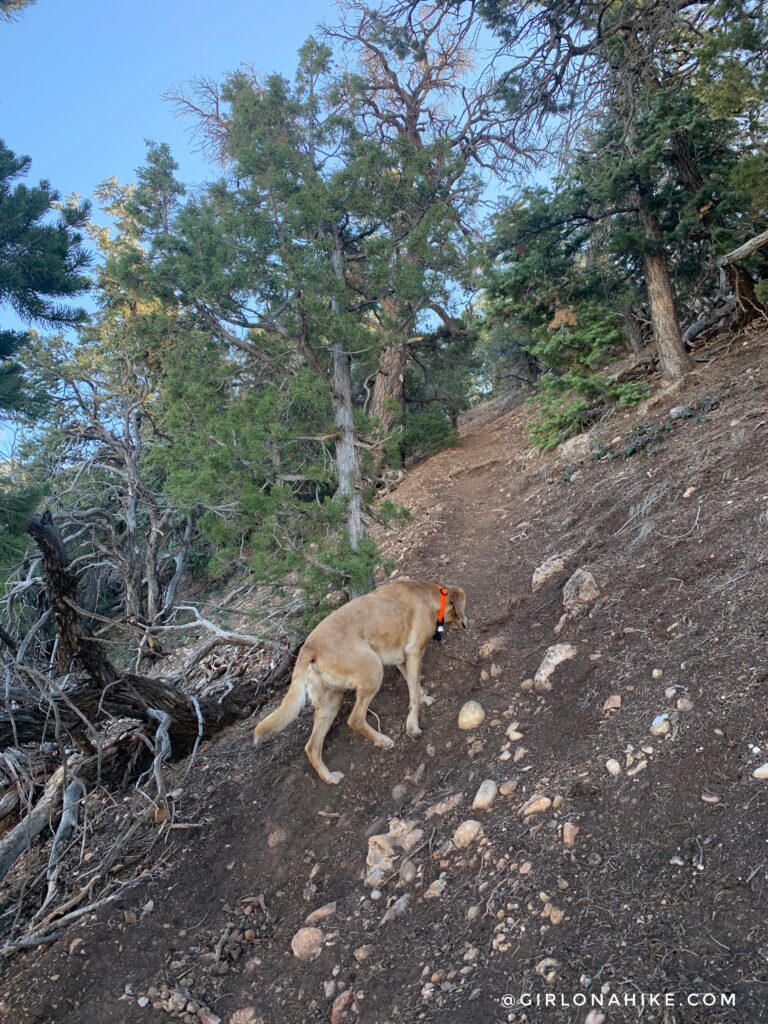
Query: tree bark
x,y
21,837
634,334
673,358
347,458
388,401
76,644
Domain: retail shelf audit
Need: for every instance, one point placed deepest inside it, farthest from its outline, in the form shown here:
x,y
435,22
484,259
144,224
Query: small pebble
x,y
660,725
467,833
570,831
485,796
536,805
612,766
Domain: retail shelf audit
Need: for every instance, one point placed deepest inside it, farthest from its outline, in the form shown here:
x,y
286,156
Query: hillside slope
x,y
653,880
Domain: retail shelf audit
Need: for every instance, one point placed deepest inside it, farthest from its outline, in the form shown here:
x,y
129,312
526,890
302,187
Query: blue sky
x,y
81,81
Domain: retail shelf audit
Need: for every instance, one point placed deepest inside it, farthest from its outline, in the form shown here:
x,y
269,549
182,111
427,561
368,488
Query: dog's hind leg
x,y
416,696
327,704
367,682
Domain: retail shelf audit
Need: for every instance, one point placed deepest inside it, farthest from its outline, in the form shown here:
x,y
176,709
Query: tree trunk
x,y
673,358
347,459
76,644
388,401
748,305
634,335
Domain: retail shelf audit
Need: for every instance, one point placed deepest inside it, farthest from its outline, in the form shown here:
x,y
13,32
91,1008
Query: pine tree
x,y
42,261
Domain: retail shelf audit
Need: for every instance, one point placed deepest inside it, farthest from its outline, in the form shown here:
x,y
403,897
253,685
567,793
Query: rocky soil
x,y
580,829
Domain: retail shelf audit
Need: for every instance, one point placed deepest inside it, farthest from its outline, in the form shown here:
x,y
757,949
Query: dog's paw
x,y
334,778
427,699
412,730
385,742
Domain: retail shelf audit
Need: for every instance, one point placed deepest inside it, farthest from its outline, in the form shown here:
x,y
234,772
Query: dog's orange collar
x,y
441,614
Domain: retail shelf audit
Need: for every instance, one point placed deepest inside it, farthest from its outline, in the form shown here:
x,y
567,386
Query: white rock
x,y
547,969
398,907
612,703
538,804
555,655
245,1016
485,795
595,1017
471,715
276,838
307,943
407,872
466,834
575,449
380,850
579,593
436,889
445,805
657,673
570,831
552,567
489,648
761,772
660,725
612,766
321,913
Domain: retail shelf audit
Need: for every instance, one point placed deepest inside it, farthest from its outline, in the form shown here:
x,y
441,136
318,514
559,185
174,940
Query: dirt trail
x,y
665,887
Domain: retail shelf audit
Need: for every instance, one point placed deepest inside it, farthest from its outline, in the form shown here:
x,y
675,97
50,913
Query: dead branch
x,y
70,817
21,837
42,937
745,250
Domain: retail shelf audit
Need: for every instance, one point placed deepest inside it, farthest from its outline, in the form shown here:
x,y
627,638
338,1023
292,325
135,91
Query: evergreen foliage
x,y
42,264
327,304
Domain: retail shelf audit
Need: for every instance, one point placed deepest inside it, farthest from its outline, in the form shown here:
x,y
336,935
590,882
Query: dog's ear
x,y
459,601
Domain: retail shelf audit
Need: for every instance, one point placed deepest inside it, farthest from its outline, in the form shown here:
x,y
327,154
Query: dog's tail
x,y
292,703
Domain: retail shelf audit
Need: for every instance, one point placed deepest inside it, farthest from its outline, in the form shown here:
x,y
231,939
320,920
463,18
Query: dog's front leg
x,y
415,693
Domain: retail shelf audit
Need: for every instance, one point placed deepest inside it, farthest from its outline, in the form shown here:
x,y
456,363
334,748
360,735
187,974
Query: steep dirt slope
x,y
653,880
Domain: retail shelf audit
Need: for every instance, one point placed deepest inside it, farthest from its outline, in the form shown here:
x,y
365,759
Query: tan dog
x,y
348,651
